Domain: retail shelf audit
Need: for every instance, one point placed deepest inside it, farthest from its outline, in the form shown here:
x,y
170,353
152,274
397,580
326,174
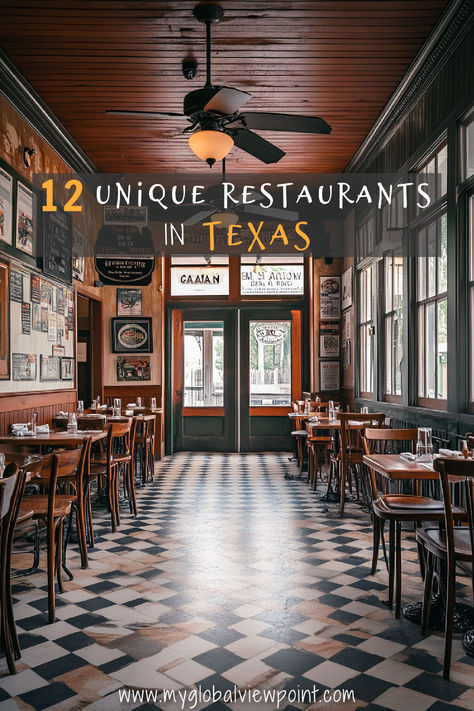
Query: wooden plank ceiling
x,y
339,59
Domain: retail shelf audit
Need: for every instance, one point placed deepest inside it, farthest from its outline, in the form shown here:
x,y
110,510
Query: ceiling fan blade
x,y
256,145
145,114
227,101
271,212
198,217
286,122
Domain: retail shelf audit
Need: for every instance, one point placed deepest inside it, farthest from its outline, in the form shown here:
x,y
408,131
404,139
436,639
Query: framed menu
x,y
23,366
329,375
50,368
6,206
329,298
25,220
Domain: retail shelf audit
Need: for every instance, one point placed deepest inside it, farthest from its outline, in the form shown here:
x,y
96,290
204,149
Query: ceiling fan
x,y
214,114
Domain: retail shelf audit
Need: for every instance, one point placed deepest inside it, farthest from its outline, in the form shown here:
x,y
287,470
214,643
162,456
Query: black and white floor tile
x,y
231,576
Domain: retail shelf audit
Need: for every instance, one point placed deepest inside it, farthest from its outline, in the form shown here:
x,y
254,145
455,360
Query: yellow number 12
x,y
70,205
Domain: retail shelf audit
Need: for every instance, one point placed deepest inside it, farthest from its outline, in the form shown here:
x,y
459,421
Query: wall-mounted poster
x,y
329,345
36,317
52,327
50,368
26,318
78,262
6,207
25,222
67,368
329,298
132,335
57,245
329,375
23,366
129,302
35,289
61,300
16,286
4,322
58,350
347,289
133,368
44,320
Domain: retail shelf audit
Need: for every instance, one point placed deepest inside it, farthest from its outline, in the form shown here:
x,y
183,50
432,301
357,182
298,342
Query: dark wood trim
x,y
393,398
203,411
433,403
11,401
32,107
452,28
296,354
266,411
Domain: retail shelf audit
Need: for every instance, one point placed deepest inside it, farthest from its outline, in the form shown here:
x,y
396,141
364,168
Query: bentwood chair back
x,y
12,485
454,545
351,450
381,441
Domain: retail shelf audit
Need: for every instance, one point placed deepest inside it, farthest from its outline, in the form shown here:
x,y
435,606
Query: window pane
x,y
270,363
421,281
430,350
397,354
442,354
469,143
388,283
388,355
421,351
398,283
203,364
443,256
471,239
442,169
271,279
432,259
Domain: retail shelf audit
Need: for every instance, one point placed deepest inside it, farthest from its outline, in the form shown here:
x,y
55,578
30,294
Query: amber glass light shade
x,y
210,146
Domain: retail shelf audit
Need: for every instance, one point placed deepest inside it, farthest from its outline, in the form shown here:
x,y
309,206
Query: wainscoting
x,y
129,393
20,407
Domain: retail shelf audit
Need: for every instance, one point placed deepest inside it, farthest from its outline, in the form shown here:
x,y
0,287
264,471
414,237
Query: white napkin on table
x,y
42,429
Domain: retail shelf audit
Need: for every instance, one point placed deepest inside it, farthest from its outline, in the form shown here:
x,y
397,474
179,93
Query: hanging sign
x,y
124,255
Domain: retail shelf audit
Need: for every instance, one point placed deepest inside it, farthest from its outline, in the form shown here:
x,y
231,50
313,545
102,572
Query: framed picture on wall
x,y
4,322
132,335
50,368
25,219
329,375
347,289
57,245
329,298
129,302
78,261
23,366
67,368
133,368
6,206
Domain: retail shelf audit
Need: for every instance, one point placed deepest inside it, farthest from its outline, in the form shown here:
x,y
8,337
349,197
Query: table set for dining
x,y
402,490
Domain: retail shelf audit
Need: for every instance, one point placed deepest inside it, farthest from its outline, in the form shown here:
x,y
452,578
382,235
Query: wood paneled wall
x,y
15,408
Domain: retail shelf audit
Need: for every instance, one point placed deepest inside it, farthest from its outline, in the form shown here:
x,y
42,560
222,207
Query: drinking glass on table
x,y
139,402
331,409
94,405
364,410
153,403
72,423
80,407
2,463
117,407
424,444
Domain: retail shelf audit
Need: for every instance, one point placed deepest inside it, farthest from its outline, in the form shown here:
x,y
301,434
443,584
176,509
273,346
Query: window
x,y
393,277
432,286
365,239
468,149
203,364
437,164
270,363
366,329
471,286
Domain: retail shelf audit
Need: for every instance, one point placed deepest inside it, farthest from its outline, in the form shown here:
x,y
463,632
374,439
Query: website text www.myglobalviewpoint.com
x,y
193,698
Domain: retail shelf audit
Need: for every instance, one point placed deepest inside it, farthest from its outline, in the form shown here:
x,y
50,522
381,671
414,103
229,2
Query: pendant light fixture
x,y
210,145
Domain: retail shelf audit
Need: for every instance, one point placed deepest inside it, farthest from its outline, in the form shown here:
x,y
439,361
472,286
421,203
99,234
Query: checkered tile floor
x,y
230,575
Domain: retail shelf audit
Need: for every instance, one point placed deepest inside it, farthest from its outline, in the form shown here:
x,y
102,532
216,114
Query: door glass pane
x,y
270,363
430,336
443,257
203,364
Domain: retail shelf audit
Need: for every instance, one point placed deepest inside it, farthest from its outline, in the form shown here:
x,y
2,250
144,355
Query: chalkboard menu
x,y
124,254
57,245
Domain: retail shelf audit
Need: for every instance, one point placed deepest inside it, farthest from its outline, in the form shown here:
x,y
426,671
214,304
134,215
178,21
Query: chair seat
x,y
299,433
434,540
39,505
24,515
407,501
116,459
405,507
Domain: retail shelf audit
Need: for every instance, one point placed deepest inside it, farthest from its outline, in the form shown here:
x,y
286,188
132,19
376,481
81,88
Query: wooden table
x,y
53,438
396,468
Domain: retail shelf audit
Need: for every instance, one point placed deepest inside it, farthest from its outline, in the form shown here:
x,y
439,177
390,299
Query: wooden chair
x,y
351,451
317,445
451,547
12,485
395,508
145,447
299,433
117,459
53,508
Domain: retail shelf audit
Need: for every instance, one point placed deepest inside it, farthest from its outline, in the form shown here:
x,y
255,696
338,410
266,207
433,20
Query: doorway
x,y
234,373
89,348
